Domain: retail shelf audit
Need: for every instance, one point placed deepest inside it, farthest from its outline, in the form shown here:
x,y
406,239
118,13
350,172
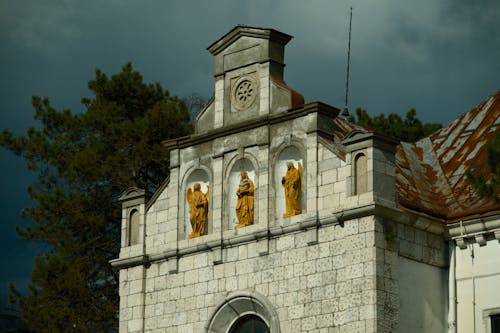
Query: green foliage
x,y
83,162
487,184
195,103
409,129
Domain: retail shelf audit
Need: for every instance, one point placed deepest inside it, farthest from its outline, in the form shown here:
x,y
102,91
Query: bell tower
x,y
249,66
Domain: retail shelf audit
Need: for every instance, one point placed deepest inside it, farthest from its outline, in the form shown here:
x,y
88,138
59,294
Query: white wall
x,y
478,282
423,294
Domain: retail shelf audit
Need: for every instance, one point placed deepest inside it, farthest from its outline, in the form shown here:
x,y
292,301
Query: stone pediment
x,y
131,193
249,83
245,45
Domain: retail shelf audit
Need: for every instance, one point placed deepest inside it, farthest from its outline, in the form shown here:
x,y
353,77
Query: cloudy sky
x,y
438,56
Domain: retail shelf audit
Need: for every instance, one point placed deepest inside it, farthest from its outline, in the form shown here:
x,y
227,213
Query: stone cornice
x,y
308,223
121,263
474,230
240,30
314,107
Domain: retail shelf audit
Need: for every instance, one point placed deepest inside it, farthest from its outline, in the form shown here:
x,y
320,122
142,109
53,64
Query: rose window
x,y
244,93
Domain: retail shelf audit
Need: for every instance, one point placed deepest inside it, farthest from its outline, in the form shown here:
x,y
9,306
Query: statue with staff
x,y
292,183
198,204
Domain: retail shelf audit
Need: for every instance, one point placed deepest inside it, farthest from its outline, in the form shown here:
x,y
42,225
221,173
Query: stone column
x,y
263,175
264,88
311,177
219,102
217,167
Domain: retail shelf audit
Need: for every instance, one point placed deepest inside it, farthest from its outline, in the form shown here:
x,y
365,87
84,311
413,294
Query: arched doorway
x,y
249,324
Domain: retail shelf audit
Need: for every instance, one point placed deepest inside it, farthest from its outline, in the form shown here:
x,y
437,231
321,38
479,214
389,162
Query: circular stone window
x,y
244,93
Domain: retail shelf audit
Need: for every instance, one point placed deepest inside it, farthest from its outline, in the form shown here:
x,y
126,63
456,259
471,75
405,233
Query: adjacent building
x,y
281,216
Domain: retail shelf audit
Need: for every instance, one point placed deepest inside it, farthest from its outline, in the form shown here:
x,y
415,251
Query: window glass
x,y
495,323
250,324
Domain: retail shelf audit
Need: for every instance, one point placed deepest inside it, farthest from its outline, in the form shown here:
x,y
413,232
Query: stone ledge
x,y
266,120
129,262
480,238
310,223
472,227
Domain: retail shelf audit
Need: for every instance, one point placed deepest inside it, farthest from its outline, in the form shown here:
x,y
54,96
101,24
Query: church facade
x,y
281,216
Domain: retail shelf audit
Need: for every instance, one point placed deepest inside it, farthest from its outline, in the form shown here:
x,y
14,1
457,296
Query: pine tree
x,y
409,129
83,161
487,184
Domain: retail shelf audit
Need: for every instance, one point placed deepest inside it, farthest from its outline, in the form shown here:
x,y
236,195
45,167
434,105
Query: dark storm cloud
x,y
405,53
440,57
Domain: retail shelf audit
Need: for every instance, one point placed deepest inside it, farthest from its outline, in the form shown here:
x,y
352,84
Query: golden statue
x,y
292,182
198,203
244,206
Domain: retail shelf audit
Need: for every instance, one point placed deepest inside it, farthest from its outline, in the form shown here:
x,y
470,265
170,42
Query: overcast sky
x,y
438,56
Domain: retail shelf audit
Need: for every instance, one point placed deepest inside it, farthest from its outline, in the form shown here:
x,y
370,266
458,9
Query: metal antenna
x,y
345,113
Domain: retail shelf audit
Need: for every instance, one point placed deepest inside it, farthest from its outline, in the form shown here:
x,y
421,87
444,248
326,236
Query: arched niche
x,y
232,182
133,227
288,154
238,306
198,175
360,174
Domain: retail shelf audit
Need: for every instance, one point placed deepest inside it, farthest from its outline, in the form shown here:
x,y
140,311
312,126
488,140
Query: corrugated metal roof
x,y
430,174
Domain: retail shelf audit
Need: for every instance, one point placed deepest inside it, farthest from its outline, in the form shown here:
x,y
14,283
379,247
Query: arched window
x,y
133,228
244,312
360,176
249,324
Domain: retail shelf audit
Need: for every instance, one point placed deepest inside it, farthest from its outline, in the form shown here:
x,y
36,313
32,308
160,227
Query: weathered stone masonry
x,y
339,266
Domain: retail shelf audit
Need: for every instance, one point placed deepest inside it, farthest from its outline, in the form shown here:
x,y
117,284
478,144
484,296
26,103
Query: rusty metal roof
x,y
430,174
345,129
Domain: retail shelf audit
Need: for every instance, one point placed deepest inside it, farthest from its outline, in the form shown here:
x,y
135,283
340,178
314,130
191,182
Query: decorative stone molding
x,y
486,317
497,235
240,304
480,239
133,196
244,92
474,226
461,243
122,263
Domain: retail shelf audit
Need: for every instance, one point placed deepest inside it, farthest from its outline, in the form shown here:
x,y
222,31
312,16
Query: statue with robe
x,y
198,204
244,205
292,183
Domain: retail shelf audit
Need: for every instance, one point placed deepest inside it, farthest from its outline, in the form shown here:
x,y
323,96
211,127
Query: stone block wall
x,y
132,283
345,264
411,286
329,286
320,271
336,278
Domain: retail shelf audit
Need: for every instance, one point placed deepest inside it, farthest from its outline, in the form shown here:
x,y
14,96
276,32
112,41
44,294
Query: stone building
x,y
374,236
